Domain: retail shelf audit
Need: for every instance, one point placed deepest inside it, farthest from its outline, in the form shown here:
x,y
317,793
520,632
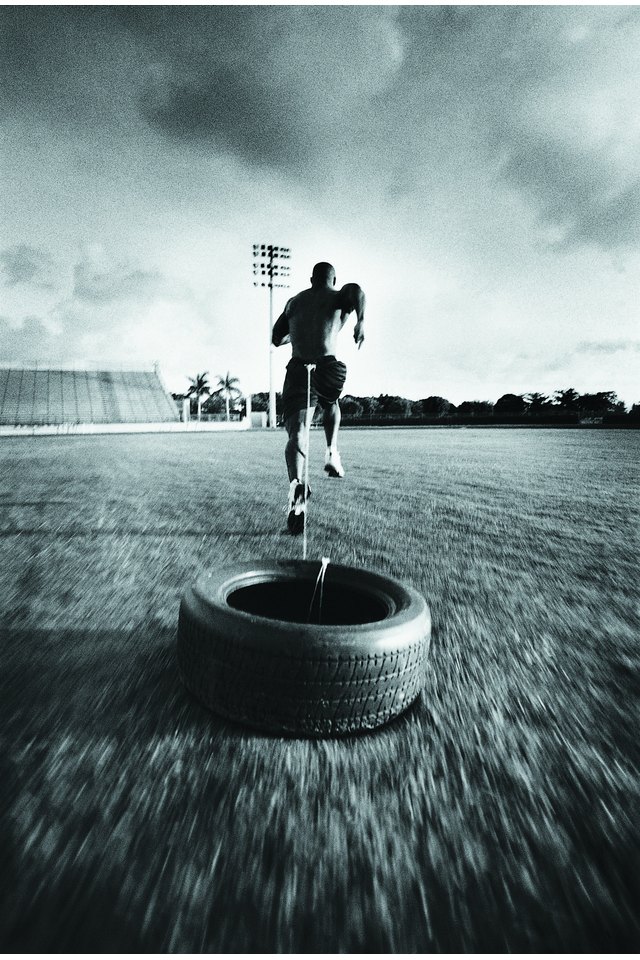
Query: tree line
x,y
563,406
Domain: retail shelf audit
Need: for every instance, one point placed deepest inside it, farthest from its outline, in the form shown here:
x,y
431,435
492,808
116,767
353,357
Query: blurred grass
x,y
499,814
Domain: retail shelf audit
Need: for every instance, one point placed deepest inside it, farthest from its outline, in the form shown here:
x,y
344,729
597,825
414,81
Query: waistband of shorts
x,y
317,360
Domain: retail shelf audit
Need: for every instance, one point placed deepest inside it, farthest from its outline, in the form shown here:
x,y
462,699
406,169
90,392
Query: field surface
x,y
500,813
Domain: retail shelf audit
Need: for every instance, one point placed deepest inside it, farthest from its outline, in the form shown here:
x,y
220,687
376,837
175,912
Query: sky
x,y
474,169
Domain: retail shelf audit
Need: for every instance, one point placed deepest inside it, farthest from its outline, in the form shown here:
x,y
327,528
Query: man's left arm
x,y
353,299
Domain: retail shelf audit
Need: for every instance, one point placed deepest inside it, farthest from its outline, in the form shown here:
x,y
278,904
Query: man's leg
x,y
331,423
297,443
295,453
329,379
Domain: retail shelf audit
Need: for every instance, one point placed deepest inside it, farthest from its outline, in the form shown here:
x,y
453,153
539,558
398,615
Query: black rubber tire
x,y
303,678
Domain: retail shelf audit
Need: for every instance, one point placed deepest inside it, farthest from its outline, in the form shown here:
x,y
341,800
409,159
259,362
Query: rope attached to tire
x,y
310,367
325,560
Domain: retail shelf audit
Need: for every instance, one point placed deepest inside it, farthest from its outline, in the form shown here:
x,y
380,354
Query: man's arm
x,y
280,334
358,330
353,299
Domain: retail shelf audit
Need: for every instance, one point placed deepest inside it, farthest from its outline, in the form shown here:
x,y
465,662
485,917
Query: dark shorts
x,y
327,381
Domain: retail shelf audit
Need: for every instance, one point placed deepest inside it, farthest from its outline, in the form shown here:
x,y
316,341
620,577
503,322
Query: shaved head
x,y
323,275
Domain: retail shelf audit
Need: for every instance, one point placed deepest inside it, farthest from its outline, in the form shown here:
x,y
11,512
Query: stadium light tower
x,y
269,266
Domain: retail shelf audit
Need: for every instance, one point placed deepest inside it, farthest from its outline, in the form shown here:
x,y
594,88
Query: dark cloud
x,y
609,221
193,35
67,65
274,86
269,85
411,95
231,111
23,264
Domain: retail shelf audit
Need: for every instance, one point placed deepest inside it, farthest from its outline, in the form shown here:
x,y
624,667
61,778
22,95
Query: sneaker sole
x,y
295,523
295,519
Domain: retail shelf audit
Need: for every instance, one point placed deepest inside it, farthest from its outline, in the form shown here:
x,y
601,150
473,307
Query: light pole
x,y
268,265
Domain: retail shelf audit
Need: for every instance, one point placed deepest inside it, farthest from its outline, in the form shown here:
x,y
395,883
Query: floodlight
x,y
266,265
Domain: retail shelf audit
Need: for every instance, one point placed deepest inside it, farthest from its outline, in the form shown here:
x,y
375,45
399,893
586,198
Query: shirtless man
x,y
311,322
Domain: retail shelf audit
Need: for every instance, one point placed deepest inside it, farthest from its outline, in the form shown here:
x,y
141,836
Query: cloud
x,y
99,281
26,343
488,146
275,89
67,66
273,86
340,54
538,104
119,289
111,308
231,111
541,99
570,132
574,192
23,264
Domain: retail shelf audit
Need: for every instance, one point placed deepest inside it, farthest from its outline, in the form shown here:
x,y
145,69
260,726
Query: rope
x,y
325,560
319,582
310,367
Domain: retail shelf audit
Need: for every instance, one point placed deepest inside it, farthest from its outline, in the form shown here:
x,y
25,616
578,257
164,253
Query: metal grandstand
x,y
31,396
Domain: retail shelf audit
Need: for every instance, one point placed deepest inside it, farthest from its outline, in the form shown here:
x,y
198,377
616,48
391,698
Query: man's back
x,y
315,317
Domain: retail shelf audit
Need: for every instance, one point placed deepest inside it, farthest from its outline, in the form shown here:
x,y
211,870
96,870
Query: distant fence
x,y
216,417
610,420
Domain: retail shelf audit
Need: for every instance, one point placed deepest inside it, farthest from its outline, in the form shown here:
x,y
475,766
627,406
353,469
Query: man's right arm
x,y
280,334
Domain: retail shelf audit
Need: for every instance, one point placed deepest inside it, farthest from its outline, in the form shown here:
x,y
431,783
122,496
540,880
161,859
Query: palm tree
x,y
227,389
539,404
567,399
199,388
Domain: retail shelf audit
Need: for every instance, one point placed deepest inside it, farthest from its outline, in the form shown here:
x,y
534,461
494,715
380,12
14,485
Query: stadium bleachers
x,y
31,397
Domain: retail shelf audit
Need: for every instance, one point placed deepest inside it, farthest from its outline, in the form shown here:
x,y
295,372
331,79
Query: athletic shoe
x,y
333,464
297,507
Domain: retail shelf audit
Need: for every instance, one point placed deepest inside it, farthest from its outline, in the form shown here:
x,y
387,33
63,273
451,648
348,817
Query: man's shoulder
x,y
296,300
351,295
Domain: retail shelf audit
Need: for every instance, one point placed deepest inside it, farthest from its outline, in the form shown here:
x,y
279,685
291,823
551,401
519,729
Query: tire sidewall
x,y
408,622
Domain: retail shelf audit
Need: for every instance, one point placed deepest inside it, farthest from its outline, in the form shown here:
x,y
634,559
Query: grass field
x,y
500,813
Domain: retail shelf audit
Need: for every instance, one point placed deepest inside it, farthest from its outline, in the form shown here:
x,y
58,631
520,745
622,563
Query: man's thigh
x,y
329,380
294,391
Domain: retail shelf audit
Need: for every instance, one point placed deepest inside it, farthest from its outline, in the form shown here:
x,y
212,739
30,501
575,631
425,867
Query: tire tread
x,y
309,695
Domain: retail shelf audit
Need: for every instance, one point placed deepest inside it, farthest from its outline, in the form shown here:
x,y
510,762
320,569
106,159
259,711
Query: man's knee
x,y
296,428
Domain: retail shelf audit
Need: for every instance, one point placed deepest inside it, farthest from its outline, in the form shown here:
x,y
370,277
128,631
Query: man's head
x,y
323,275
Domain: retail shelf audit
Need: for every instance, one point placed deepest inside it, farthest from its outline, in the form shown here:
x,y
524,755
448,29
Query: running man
x,y
311,322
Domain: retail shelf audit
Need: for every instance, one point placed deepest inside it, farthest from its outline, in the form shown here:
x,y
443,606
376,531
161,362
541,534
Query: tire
x,y
241,659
